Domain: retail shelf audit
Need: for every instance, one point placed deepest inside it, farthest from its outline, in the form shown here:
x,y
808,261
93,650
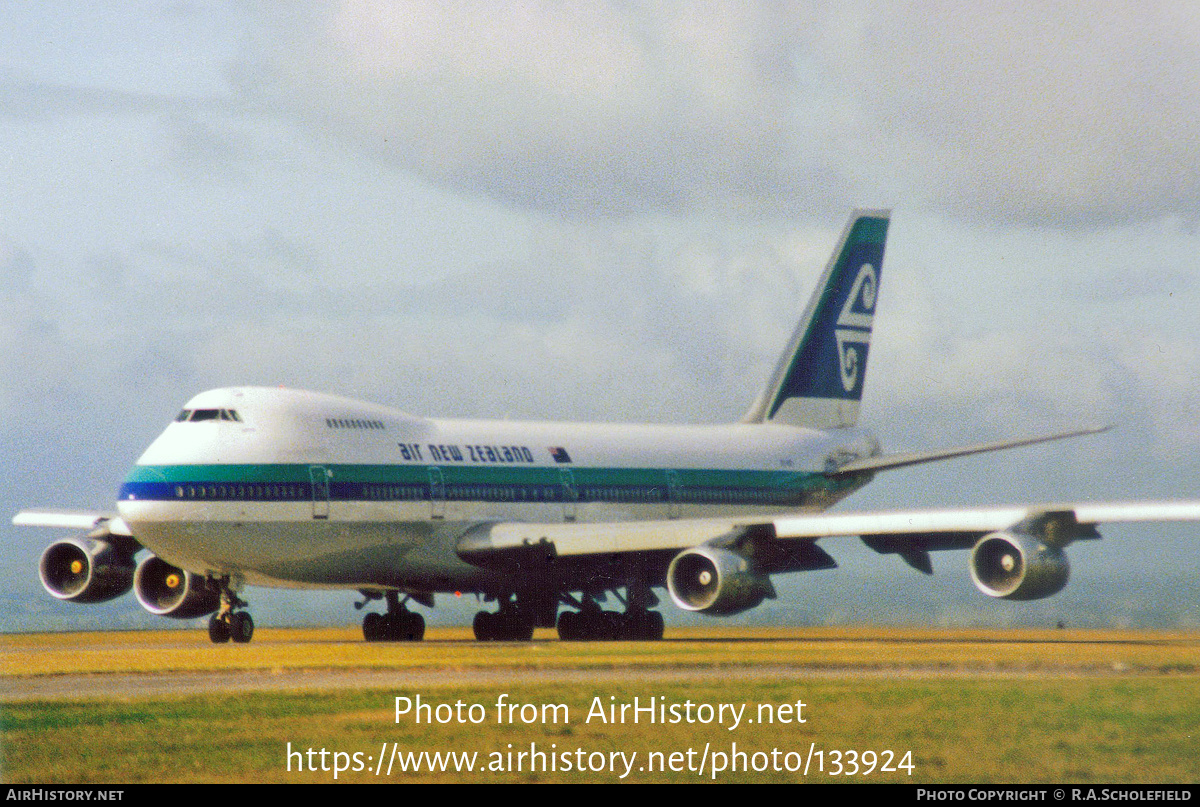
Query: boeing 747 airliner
x,y
277,487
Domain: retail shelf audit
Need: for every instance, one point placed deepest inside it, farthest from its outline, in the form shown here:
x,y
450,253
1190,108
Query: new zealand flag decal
x,y
560,454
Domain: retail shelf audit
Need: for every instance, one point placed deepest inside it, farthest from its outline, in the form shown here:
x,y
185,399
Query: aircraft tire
x,y
218,630
403,626
517,628
413,627
504,626
609,626
573,626
373,627
483,626
241,627
646,626
566,626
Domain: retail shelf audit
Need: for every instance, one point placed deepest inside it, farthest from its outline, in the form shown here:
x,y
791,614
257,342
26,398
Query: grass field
x,y
966,706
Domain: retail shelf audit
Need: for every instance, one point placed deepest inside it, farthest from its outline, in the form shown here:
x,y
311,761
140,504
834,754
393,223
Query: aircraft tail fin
x,y
819,380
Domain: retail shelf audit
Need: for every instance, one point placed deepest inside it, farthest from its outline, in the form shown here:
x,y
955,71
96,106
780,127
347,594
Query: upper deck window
x,y
354,423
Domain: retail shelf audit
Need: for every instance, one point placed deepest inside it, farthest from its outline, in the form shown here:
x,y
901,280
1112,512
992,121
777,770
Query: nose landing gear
x,y
227,623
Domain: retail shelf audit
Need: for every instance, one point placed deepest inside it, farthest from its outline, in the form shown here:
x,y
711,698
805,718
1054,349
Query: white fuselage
x,y
284,487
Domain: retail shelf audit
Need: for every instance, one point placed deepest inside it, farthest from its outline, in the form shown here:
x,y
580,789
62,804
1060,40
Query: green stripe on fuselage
x,y
582,478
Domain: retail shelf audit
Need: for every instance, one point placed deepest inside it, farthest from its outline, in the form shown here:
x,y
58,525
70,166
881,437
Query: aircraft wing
x,y
723,565
110,523
641,536
980,520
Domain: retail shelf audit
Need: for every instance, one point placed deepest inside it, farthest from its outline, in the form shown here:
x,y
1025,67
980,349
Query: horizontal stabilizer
x,y
917,457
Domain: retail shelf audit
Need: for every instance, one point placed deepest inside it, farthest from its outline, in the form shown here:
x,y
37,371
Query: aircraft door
x,y
674,496
570,495
437,492
319,476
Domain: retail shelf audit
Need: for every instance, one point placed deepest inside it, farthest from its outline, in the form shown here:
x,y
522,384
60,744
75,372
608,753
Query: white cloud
x,y
1063,112
580,107
1000,111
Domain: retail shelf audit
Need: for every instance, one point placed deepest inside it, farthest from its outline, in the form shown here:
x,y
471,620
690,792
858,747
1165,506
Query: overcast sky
x,y
606,211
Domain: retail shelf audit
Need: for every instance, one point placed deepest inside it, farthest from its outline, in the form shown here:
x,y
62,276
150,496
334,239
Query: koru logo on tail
x,y
853,331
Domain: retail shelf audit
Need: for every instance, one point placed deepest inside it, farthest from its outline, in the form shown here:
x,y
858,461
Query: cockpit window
x,y
182,416
210,414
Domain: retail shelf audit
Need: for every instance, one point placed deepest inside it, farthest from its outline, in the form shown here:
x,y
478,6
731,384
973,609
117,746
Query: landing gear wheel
x,y
218,630
228,623
655,627
241,627
515,627
406,627
505,626
482,625
610,627
571,626
400,626
645,626
373,627
607,626
588,626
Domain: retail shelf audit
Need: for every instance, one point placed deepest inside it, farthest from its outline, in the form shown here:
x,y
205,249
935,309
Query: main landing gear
x,y
227,623
519,614
506,625
593,624
398,625
590,623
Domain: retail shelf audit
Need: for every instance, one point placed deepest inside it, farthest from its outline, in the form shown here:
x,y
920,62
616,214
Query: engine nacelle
x,y
1014,566
86,570
716,581
164,590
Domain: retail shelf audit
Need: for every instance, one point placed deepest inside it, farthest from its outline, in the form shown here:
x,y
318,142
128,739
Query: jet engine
x,y
1014,566
165,590
716,581
86,570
